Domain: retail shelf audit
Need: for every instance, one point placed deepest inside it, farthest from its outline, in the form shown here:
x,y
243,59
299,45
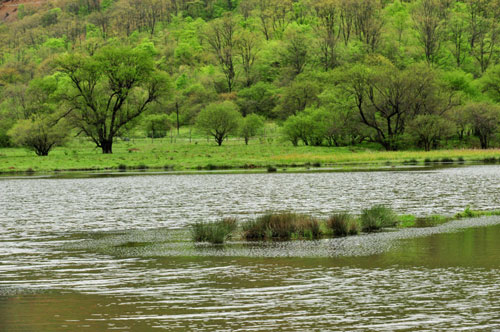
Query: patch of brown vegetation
x,y
8,9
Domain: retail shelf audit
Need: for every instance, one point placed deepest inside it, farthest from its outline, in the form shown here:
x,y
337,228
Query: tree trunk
x,y
107,147
177,113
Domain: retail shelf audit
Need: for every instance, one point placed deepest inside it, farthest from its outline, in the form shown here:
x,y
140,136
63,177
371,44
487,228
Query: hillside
x,y
420,74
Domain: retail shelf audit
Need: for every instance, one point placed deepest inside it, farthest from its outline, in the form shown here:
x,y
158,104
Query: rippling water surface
x,y
105,254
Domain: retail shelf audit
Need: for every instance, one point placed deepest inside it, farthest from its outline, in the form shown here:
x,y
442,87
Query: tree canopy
x,y
377,67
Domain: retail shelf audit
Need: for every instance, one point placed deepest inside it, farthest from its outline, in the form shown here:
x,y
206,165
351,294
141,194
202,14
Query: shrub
x,y
377,217
271,169
215,232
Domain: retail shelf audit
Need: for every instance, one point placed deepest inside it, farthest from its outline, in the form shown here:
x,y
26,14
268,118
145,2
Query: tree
x,y
106,91
428,129
156,125
247,49
484,119
259,98
250,126
387,98
299,95
297,45
220,35
429,26
328,30
219,120
302,127
39,134
490,83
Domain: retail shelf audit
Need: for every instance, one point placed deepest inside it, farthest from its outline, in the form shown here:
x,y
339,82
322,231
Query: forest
x,y
421,74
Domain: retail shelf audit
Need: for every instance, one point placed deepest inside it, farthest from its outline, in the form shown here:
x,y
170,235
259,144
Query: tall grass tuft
x,y
377,217
215,232
282,226
339,223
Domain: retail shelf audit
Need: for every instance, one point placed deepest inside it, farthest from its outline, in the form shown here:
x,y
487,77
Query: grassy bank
x,y
292,226
202,154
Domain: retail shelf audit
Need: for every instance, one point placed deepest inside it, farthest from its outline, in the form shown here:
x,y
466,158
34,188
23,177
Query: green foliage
x,y
484,119
361,70
429,129
259,98
156,125
377,217
39,134
110,89
250,126
219,120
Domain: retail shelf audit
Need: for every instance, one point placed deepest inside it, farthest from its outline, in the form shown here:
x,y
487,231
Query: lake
x,y
113,253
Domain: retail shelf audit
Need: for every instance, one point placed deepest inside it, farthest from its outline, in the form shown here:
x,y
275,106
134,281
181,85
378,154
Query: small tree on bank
x,y
39,134
484,119
429,129
219,120
250,126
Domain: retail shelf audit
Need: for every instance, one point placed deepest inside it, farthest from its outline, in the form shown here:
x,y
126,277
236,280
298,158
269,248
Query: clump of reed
x,y
216,232
282,226
343,224
377,217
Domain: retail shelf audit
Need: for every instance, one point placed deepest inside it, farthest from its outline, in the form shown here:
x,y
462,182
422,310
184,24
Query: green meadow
x,y
183,154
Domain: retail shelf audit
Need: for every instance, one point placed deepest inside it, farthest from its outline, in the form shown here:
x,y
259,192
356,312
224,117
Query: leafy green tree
x,y
429,129
39,134
156,125
387,98
484,119
296,54
296,97
250,126
430,27
490,83
221,36
219,120
259,98
106,91
298,128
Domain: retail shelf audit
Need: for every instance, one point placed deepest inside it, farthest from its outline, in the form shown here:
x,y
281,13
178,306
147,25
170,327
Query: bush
x,y
215,232
377,217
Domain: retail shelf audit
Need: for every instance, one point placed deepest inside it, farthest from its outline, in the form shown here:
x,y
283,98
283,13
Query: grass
x,y
293,226
216,232
343,224
468,213
181,154
377,217
282,226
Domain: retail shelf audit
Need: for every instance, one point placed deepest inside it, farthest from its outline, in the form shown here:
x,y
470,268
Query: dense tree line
x,y
404,74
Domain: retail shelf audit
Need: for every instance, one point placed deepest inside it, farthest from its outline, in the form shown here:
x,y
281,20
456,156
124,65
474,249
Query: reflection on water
x,y
52,279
